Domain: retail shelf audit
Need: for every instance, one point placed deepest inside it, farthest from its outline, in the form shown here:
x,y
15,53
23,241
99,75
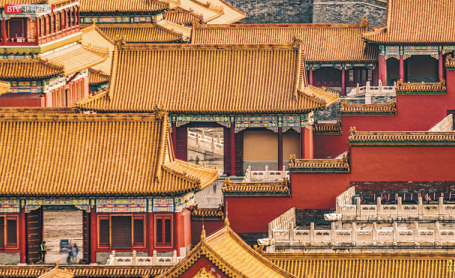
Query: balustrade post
x,y
174,257
332,231
395,232
266,174
291,232
379,206
416,231
354,232
367,87
358,207
400,206
154,258
437,232
213,144
420,206
133,259
203,135
375,231
197,139
380,87
441,209
357,89
312,234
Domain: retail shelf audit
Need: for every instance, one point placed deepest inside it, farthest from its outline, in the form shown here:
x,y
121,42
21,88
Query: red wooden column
x,y
151,233
310,76
441,66
401,68
179,226
232,134
93,237
36,31
174,136
280,149
4,31
343,81
382,69
22,237
307,142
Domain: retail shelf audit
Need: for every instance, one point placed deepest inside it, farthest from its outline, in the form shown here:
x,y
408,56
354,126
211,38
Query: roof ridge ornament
x,y
120,41
296,41
364,23
160,111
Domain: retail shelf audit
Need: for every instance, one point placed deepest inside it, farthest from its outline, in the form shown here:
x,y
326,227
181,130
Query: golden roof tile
x,y
97,77
368,109
327,127
340,164
401,137
235,78
95,160
4,87
37,110
421,88
92,35
450,62
372,265
231,255
85,271
416,21
184,32
13,69
321,42
110,6
78,57
140,32
57,273
182,16
207,213
275,188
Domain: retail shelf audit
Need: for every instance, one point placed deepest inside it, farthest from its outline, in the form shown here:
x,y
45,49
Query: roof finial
x,y
364,22
56,264
93,21
120,40
203,236
296,41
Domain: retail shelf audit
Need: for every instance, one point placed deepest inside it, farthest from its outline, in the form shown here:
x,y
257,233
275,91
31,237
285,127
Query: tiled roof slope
x,y
97,77
231,255
321,42
92,155
142,32
110,6
85,271
210,79
78,57
182,16
4,87
417,21
57,273
92,35
371,265
11,69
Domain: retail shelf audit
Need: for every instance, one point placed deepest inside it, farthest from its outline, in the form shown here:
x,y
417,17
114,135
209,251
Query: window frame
x,y
8,245
163,217
133,216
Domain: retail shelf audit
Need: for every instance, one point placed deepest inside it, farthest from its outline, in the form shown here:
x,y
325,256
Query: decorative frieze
x,y
121,205
9,206
116,19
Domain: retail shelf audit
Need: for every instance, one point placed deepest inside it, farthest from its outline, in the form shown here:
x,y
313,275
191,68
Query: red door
x,y
182,143
34,234
16,28
227,151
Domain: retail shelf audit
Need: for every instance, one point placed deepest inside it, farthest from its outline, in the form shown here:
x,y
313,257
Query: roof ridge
x,y
91,98
71,117
184,175
98,50
278,25
172,31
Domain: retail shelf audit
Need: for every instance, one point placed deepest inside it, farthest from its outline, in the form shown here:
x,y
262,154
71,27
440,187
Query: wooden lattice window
x,y
138,231
8,232
104,231
121,231
2,232
163,230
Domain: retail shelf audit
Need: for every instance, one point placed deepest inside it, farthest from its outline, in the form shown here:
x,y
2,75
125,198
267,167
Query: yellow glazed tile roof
x,y
92,155
207,213
368,109
28,69
340,164
371,265
276,188
321,42
327,127
97,77
182,16
231,255
57,273
110,6
4,87
92,35
450,62
179,29
210,79
403,87
416,21
145,32
78,57
37,110
85,271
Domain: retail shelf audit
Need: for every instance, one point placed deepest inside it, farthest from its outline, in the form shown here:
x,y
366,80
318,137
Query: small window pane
x,y
364,75
370,75
2,232
104,231
11,231
351,75
168,230
138,230
159,230
121,231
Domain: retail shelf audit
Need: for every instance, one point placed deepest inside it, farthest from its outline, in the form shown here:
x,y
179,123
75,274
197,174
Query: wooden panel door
x,y
239,153
85,236
182,143
227,151
34,234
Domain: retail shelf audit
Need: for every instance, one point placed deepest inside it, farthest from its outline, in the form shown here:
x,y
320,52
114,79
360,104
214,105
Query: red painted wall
x,y
210,228
183,230
415,113
318,191
22,100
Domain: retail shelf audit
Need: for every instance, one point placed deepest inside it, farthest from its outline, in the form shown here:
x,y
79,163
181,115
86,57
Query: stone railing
x,y
361,237
396,212
134,260
282,224
345,199
368,109
445,125
450,62
267,175
214,143
372,91
439,87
